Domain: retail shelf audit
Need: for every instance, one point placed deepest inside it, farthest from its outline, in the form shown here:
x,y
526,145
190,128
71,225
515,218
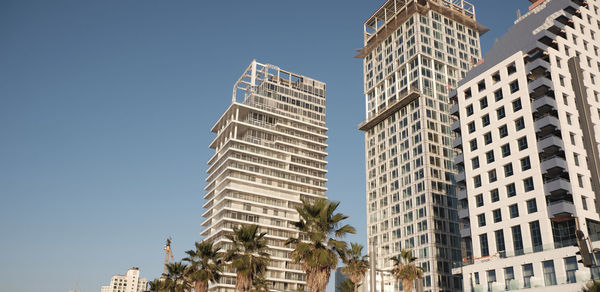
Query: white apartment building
x,y
130,282
528,138
270,153
414,52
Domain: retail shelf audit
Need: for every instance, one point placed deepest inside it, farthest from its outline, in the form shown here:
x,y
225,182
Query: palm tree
x,y
346,286
318,248
248,256
155,285
205,265
357,265
174,279
406,270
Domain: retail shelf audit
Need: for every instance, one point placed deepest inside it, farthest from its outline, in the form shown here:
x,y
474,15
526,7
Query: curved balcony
x,y
543,104
546,125
460,177
461,194
557,187
463,213
457,143
561,209
553,166
465,231
540,87
454,110
459,159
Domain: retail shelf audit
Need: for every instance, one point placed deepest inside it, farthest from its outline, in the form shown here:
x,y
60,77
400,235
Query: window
x,y
508,170
469,110
520,124
473,144
475,163
500,113
522,143
525,164
531,206
503,130
509,275
517,239
483,103
497,214
570,268
483,245
498,94
517,105
489,156
481,220
536,236
495,195
487,138
584,203
477,181
500,248
528,184
471,127
491,277
514,86
527,274
513,210
549,274
485,120
505,150
511,190
496,77
492,176
511,68
479,200
476,274
481,86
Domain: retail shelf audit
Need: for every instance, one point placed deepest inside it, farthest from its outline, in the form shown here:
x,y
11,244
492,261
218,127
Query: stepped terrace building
x,y
414,52
529,135
270,153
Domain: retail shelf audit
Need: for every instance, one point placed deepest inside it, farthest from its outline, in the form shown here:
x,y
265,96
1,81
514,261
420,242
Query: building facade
x,y
528,138
414,52
270,153
130,282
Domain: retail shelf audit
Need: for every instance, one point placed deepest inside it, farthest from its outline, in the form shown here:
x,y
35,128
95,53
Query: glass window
x,y
508,170
495,195
485,120
469,110
503,131
489,156
492,176
570,268
517,239
513,210
500,248
511,190
520,124
487,138
471,127
483,244
481,220
522,143
475,162
477,181
498,94
481,85
517,105
536,236
500,113
528,184
527,274
509,275
549,274
483,103
514,86
531,206
505,150
497,215
473,144
525,164
479,200
491,276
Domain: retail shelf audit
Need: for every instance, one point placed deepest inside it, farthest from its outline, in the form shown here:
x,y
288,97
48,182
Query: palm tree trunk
x,y
356,287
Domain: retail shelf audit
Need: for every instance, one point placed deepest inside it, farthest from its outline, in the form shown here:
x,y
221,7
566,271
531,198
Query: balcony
x,y
550,144
553,166
463,213
456,126
461,194
540,104
465,231
460,177
454,110
561,209
539,62
557,187
457,143
540,87
459,159
546,124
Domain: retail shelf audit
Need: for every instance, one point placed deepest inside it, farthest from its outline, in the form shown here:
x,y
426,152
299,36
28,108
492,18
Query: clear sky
x,y
105,111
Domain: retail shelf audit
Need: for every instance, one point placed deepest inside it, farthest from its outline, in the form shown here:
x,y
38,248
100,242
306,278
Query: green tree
x,y
319,246
248,256
346,286
356,263
406,270
205,265
155,285
175,279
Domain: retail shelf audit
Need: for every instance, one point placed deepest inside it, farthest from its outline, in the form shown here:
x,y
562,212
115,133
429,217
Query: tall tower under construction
x,y
270,153
414,52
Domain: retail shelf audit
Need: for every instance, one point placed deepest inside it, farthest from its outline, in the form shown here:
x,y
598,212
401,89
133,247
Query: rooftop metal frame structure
x,y
393,13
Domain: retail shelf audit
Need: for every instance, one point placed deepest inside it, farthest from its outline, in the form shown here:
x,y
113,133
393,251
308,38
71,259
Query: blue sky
x,y
105,111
